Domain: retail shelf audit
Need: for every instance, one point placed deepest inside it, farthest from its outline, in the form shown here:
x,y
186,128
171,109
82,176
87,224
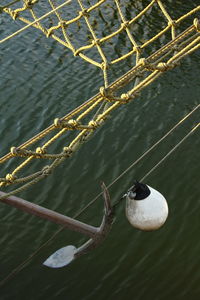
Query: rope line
x,y
170,152
26,261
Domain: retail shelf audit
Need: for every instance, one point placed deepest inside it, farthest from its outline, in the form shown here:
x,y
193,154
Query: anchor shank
x,y
50,215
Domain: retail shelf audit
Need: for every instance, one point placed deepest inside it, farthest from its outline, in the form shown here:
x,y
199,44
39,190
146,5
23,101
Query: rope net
x,y
91,30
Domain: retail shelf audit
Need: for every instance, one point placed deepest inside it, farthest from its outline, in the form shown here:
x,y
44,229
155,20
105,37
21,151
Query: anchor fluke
x,y
61,257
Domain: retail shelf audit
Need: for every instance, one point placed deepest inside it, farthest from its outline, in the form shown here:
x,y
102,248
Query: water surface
x,y
40,80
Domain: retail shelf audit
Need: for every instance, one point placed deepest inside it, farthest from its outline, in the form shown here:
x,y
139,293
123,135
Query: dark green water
x,y
40,80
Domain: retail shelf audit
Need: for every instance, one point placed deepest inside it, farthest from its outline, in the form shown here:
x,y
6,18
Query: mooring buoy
x,y
146,208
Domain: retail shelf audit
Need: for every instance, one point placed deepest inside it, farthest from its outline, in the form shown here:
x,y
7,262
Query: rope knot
x,y
29,3
93,124
143,62
162,66
196,24
126,97
13,14
62,23
73,124
137,49
104,92
96,42
40,150
10,178
172,23
104,66
57,122
83,12
46,170
67,151
14,151
49,32
125,25
77,52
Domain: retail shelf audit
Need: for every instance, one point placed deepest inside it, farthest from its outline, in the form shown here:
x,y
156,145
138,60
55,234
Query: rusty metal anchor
x,y
65,255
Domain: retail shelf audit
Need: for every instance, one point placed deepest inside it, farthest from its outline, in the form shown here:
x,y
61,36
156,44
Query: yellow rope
x,y
31,23
85,119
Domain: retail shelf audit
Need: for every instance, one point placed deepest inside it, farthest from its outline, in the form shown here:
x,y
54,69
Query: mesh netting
x,y
106,34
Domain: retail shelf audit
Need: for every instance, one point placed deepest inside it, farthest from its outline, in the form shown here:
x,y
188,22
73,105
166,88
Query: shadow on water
x,y
40,80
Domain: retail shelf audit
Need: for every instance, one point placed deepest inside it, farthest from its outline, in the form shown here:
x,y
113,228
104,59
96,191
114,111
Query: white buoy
x,y
146,208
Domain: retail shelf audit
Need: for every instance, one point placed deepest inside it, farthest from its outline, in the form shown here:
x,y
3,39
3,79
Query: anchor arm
x,y
66,255
104,228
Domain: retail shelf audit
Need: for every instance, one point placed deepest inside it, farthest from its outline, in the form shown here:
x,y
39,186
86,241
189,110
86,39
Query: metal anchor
x,y
65,255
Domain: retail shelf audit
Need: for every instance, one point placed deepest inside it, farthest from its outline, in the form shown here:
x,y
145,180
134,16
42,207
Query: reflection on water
x,y
41,81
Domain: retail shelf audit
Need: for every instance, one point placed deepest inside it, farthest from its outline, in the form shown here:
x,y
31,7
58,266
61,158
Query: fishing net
x,y
107,35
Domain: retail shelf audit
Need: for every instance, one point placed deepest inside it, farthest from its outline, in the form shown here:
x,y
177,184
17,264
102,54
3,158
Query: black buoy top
x,y
142,191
